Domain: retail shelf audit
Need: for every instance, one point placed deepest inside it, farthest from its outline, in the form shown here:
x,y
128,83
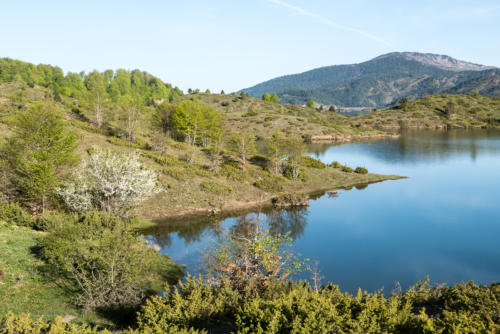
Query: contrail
x,y
328,22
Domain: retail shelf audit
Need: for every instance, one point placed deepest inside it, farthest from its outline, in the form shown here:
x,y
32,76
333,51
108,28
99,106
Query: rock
x,y
68,318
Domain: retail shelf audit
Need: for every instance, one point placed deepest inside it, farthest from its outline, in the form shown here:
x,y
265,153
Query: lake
x,y
442,221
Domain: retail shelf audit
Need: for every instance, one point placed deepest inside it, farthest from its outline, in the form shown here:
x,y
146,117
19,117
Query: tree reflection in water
x,y
291,221
189,231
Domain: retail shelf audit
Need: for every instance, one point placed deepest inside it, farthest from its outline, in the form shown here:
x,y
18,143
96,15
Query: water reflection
x,y
292,222
422,146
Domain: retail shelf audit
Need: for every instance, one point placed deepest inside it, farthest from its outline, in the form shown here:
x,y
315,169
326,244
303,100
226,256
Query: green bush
x,y
361,170
141,144
291,307
215,188
347,169
106,263
336,164
270,184
307,161
307,138
193,303
24,324
232,171
163,159
13,213
54,220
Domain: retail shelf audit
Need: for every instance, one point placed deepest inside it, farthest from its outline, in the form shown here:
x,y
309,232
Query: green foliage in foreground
x,y
295,307
24,323
105,263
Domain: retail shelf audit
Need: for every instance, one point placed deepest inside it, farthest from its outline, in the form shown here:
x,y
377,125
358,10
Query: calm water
x,y
443,221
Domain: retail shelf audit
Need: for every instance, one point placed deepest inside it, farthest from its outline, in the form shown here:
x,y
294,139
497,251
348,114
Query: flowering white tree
x,y
115,183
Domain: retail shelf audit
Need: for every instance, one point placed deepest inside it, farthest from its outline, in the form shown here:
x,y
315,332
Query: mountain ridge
x,y
378,82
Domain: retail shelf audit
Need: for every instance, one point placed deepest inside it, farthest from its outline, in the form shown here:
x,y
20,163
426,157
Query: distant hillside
x,y
442,111
383,80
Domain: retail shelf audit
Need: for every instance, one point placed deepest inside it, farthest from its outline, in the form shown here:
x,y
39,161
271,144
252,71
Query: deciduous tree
x,y
243,144
115,183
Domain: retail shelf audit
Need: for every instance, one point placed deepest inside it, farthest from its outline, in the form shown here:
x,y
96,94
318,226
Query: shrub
x,y
347,169
54,220
14,214
111,182
270,184
361,170
232,171
307,161
288,173
163,159
336,164
307,138
295,307
249,260
215,188
191,303
108,265
10,323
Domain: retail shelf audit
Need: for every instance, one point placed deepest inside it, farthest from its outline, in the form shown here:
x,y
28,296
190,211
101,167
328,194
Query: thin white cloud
x,y
329,22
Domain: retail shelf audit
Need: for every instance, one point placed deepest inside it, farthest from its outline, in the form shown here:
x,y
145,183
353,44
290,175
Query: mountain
x,y
383,80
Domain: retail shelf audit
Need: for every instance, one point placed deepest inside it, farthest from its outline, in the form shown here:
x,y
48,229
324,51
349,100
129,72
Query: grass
x,y
24,288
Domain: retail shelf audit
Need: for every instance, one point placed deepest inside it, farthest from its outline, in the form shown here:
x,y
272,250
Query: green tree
x,y
295,148
197,123
449,110
207,91
275,98
310,103
38,152
130,114
243,144
222,92
266,97
97,96
162,118
404,103
276,150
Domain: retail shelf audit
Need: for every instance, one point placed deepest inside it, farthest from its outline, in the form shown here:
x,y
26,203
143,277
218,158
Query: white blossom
x,y
112,182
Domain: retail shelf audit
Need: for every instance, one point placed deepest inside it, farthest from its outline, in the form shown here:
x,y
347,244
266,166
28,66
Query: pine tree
x,y
37,153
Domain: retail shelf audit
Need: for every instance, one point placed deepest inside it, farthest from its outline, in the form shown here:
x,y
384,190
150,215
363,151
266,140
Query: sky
x,y
234,44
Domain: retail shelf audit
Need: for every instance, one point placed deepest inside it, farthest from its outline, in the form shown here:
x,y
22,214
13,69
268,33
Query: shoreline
x,y
351,138
240,207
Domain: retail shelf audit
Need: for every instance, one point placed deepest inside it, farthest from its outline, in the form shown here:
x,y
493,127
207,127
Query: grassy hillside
x,y
190,186
262,117
437,111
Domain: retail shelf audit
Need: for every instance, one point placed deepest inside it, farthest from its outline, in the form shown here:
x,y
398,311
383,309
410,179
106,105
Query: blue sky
x,y
233,44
